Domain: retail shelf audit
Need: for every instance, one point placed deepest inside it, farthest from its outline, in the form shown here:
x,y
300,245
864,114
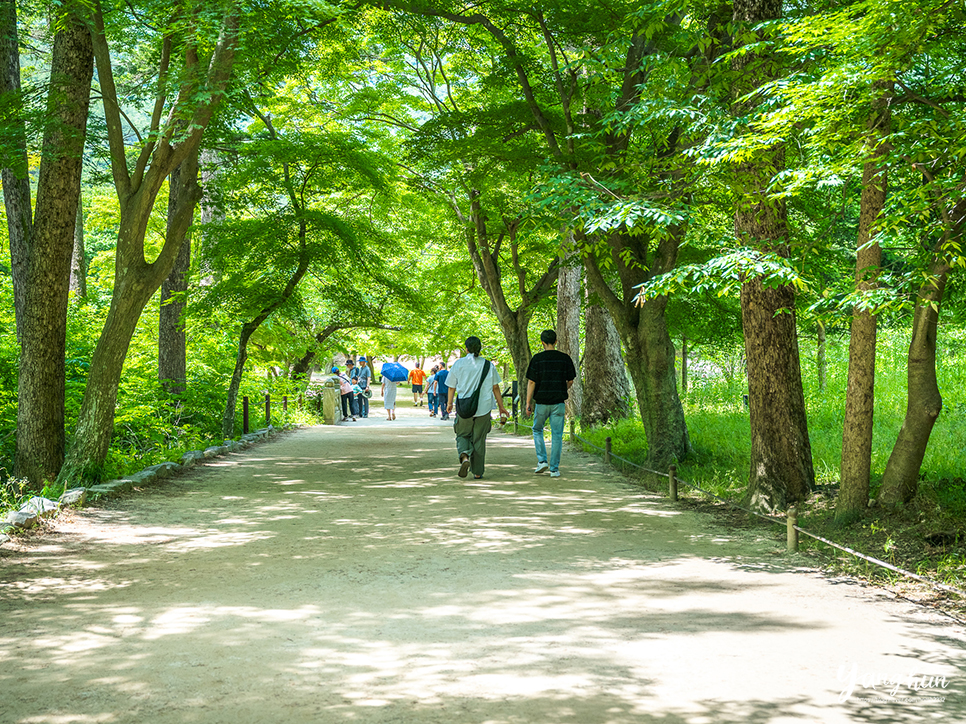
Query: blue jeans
x,y
556,415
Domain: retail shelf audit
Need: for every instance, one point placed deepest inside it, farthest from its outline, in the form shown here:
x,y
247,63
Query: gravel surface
x,y
346,574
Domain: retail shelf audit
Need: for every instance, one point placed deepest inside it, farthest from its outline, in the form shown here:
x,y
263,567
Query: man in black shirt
x,y
549,378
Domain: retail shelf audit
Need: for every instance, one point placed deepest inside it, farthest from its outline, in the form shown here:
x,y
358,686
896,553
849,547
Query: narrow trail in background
x,y
345,574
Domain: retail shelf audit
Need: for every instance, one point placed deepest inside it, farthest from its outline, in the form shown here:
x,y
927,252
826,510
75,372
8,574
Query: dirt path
x,y
347,575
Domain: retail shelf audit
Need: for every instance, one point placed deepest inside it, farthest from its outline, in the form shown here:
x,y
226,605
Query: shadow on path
x,y
345,574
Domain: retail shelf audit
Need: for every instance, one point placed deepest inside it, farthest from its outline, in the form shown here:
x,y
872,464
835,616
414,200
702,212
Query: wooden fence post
x,y
792,521
573,434
672,481
245,415
284,403
268,409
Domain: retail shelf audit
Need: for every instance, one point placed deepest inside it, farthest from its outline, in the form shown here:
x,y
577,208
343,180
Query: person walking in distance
x,y
431,391
442,391
416,378
476,383
549,377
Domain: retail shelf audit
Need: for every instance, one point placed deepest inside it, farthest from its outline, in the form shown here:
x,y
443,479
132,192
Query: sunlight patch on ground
x,y
182,620
420,482
76,642
219,540
519,684
121,534
71,718
328,494
710,538
644,509
68,586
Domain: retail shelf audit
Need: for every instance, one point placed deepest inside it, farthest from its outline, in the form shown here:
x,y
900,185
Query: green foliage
x,y
14,492
720,433
725,274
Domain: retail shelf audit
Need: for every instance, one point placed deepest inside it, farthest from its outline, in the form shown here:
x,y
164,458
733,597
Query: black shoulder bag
x,y
466,406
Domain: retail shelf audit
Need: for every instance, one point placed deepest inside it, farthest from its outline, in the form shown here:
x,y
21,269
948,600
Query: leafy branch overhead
x,y
724,275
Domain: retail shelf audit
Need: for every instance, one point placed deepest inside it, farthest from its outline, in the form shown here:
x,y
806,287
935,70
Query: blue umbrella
x,y
395,372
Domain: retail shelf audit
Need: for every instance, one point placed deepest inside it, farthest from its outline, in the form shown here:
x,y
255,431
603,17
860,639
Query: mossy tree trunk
x,y
569,304
606,389
42,271
856,467
781,458
647,342
900,482
135,279
16,176
172,337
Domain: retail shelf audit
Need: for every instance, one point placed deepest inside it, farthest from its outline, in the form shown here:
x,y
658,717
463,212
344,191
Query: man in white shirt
x,y
468,375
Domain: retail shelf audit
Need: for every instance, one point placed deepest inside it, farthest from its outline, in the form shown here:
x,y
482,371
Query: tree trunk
x,y
485,255
518,344
300,370
821,364
647,344
78,259
16,178
606,389
231,399
781,456
249,328
684,365
172,340
568,322
856,467
650,360
211,213
136,280
43,339
900,481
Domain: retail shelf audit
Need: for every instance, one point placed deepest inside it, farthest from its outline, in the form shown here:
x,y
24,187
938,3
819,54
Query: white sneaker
x,y
541,468
554,473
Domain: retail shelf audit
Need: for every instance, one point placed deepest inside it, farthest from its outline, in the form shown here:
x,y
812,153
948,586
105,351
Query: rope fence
x,y
790,521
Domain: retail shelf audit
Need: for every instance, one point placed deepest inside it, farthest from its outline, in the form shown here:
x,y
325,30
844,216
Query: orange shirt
x,y
417,376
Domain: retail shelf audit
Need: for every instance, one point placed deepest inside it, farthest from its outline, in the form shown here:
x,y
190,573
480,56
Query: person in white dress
x,y
389,398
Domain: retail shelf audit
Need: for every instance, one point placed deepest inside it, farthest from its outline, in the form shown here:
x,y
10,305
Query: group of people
x,y
438,391
471,388
355,389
